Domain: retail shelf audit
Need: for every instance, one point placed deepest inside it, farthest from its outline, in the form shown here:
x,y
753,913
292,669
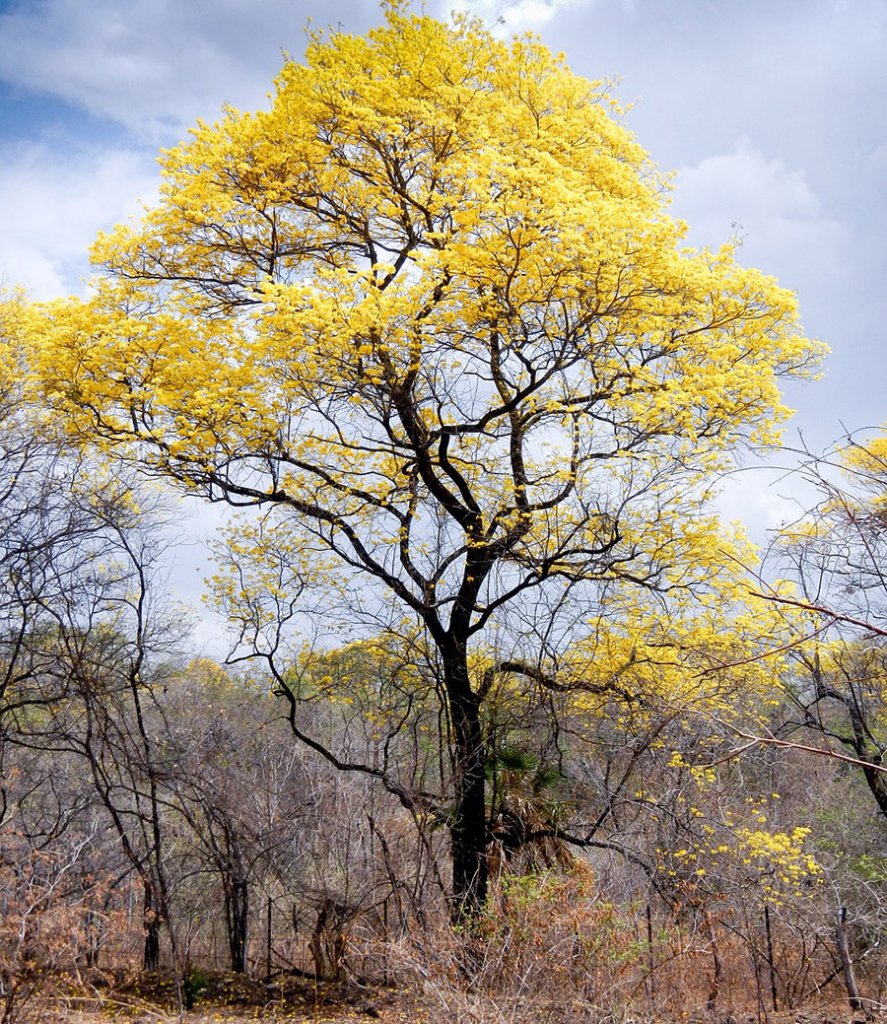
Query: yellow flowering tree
x,y
430,308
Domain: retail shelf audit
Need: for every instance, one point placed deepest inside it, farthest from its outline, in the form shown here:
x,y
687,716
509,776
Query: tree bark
x,y
846,962
711,1002
468,832
151,928
770,960
236,892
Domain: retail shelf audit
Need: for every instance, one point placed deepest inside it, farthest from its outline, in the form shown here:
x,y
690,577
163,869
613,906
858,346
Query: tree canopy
x,y
430,307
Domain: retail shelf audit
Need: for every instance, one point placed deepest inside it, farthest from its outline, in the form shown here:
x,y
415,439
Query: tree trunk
x,y
846,961
237,920
468,832
771,963
151,928
327,943
711,1002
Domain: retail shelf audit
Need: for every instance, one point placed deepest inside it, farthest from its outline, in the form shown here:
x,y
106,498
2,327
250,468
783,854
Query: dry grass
x,y
549,950
406,1008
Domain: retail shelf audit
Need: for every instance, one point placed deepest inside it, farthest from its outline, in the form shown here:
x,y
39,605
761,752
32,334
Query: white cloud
x,y
513,17
746,178
154,66
52,209
763,499
875,162
771,207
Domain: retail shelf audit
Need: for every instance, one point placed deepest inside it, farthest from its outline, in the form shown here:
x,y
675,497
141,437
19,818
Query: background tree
x,y
431,310
837,555
235,781
835,683
83,676
77,622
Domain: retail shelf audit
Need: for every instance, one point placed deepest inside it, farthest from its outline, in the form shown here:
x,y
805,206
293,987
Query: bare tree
x,y
837,554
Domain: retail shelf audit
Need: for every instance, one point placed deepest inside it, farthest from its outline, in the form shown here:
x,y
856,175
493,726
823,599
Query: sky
x,y
772,114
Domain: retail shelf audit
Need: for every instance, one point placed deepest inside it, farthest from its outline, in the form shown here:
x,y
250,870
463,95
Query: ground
x,y
837,1013
231,999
